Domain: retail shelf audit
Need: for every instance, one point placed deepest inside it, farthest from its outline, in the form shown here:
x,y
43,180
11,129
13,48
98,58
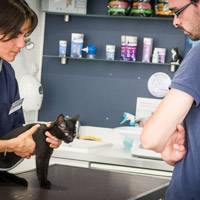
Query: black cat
x,y
63,128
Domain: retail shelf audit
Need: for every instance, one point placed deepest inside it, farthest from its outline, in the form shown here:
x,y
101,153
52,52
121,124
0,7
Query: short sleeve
x,y
187,77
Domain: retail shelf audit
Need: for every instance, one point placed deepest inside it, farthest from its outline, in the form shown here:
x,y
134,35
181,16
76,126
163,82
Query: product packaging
x,y
76,45
128,48
159,55
123,47
142,8
118,7
162,8
147,49
132,48
110,52
134,10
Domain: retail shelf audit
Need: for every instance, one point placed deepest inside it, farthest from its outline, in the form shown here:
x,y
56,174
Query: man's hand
x,y
23,145
175,150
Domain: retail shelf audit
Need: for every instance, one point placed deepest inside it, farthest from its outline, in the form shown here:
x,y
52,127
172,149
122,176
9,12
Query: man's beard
x,y
194,39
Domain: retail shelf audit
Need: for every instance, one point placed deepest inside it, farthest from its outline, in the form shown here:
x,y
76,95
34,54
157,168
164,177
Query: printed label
x,y
16,106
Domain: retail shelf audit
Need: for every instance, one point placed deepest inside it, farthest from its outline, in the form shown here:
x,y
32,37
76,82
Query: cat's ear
x,y
60,119
75,118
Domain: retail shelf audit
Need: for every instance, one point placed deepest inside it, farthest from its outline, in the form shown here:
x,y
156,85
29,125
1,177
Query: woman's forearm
x,y
6,145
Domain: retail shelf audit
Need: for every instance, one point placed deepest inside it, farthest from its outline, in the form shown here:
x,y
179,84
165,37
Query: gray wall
x,y
100,91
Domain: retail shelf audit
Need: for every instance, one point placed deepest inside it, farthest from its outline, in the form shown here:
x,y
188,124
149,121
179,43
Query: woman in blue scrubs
x,y
17,21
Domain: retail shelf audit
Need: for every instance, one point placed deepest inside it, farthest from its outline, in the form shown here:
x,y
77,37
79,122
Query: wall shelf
x,y
101,90
104,60
115,17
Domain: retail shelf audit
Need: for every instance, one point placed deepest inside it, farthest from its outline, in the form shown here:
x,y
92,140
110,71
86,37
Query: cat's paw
x,y
13,179
23,182
46,185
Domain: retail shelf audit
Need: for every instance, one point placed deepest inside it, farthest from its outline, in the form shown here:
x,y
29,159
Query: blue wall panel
x,y
99,91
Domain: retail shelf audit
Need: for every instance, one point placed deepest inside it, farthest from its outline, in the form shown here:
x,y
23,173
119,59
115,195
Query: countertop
x,y
75,183
112,156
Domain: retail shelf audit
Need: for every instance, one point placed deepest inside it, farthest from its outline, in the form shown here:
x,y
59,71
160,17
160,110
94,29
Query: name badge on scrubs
x,y
16,106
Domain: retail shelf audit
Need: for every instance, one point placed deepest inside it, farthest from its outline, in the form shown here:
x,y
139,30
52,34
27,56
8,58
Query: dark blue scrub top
x,y
9,93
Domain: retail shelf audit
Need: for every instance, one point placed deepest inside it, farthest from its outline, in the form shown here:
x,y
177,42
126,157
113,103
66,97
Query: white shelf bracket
x,y
66,18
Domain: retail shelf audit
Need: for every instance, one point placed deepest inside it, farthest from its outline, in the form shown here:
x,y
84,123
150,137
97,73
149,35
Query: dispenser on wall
x,y
32,92
65,6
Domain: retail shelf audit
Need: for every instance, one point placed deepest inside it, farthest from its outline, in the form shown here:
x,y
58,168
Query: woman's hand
x,y
175,150
53,141
23,145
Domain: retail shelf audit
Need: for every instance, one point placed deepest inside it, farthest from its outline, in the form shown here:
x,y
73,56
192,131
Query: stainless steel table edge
x,y
149,192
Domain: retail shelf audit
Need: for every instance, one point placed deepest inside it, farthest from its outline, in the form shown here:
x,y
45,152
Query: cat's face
x,y
68,126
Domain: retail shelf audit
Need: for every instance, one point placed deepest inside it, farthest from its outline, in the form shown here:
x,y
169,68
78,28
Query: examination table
x,y
75,183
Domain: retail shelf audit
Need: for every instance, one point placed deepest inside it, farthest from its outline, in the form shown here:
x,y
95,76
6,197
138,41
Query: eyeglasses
x,y
179,11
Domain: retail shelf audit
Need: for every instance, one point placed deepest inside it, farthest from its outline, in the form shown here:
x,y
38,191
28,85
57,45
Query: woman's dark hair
x,y
195,1
13,14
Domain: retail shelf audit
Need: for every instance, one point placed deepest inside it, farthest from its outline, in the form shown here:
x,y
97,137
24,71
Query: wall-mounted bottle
x,y
63,51
91,51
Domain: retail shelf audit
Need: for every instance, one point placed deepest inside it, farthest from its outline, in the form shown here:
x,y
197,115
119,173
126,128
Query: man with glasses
x,y
180,106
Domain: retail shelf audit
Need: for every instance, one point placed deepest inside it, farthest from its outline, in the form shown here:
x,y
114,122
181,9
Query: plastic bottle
x,y
90,50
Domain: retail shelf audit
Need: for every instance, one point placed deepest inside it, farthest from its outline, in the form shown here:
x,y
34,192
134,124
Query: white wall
x,y
30,61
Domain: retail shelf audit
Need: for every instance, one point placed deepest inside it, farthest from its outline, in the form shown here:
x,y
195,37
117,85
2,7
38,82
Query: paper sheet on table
x,y
145,107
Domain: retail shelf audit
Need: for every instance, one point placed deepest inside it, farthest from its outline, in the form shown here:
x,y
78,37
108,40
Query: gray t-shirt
x,y
185,181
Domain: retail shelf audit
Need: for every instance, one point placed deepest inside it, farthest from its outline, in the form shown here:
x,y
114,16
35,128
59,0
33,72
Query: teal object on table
x,y
127,143
127,117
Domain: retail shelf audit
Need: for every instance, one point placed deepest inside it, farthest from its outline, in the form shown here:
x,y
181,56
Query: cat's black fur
x,y
63,129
